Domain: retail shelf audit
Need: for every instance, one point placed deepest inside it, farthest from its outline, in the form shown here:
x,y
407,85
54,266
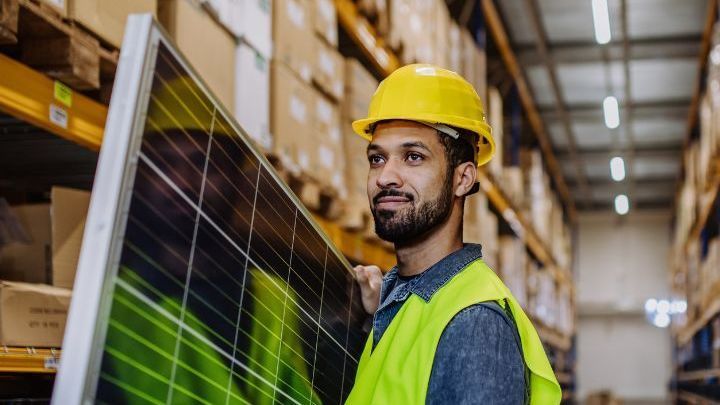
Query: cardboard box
x,y
325,21
327,161
106,18
68,213
495,118
29,262
441,50
291,116
455,48
356,177
329,70
293,36
32,314
249,20
209,47
252,94
468,51
360,86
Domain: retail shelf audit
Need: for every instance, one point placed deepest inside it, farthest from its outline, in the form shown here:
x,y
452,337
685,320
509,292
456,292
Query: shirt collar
x,y
432,279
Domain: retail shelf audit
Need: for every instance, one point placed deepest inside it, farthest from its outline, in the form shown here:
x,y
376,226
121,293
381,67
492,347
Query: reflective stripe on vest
x,y
398,370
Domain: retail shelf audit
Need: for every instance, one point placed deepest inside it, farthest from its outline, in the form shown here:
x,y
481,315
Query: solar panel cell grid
x,y
224,292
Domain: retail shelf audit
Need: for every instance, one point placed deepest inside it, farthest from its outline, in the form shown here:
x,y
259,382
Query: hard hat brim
x,y
362,127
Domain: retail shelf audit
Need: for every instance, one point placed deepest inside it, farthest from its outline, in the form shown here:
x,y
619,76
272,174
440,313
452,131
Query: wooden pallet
x,y
37,34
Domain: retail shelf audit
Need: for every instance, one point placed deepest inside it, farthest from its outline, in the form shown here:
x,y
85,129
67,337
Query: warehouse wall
x,y
621,263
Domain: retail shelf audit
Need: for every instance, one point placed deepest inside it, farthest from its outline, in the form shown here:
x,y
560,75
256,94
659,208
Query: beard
x,y
408,223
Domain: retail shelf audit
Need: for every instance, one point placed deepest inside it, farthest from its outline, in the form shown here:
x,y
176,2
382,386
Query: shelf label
x,y
52,363
63,93
58,116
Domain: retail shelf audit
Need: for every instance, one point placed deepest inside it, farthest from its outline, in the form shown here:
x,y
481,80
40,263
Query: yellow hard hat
x,y
430,95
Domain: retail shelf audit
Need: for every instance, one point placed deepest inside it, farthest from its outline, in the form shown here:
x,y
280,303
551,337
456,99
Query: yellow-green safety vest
x,y
398,370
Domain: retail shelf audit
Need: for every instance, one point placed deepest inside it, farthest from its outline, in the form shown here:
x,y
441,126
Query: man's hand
x,y
370,279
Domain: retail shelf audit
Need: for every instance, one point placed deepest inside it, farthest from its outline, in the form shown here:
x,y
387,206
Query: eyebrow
x,y
417,144
406,145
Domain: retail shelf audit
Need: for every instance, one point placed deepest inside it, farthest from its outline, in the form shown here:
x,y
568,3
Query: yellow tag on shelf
x,y
63,93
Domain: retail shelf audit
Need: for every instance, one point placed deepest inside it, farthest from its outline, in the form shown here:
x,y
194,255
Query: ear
x,y
465,177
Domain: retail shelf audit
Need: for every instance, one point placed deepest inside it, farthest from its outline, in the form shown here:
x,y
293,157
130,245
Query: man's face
x,y
409,184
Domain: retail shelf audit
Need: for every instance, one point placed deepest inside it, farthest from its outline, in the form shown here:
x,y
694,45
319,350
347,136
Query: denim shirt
x,y
479,358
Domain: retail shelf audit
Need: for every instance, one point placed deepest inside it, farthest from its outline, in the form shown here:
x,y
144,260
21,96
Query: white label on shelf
x,y
296,13
327,64
335,134
52,363
327,157
338,88
332,35
327,10
303,160
324,111
58,116
298,109
306,72
57,3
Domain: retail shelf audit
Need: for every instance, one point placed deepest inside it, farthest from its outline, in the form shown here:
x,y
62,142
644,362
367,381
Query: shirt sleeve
x,y
478,360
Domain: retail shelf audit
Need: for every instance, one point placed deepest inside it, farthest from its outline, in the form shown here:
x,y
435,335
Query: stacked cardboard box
x,y
105,18
208,46
293,35
306,120
54,232
360,86
513,264
545,299
32,313
480,225
495,119
710,271
250,23
329,70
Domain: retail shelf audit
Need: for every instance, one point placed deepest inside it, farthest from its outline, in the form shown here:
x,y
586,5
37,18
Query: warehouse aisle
x,y
182,202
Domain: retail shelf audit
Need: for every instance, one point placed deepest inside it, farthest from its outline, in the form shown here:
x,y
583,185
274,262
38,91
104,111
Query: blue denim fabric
x,y
479,358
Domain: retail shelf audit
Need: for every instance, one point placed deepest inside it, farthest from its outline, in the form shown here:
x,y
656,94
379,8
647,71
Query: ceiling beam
x,y
497,30
653,153
655,148
652,182
560,109
644,107
686,47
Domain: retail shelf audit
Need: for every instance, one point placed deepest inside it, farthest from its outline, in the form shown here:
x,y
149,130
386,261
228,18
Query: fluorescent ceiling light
x,y
612,114
617,168
601,19
622,204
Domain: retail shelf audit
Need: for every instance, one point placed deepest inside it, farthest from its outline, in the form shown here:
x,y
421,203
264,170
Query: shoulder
x,y
479,348
489,316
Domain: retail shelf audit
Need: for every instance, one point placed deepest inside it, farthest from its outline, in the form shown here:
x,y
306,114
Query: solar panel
x,y
202,279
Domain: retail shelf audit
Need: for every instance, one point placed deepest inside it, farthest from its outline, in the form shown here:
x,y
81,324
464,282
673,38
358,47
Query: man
x,y
445,328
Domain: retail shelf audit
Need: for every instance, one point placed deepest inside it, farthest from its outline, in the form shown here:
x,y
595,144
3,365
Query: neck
x,y
417,255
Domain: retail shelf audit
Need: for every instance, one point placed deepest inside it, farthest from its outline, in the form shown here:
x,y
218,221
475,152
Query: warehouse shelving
x,y
28,360
33,97
693,378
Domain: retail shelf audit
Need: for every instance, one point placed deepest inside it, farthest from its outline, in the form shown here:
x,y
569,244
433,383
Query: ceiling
x,y
650,66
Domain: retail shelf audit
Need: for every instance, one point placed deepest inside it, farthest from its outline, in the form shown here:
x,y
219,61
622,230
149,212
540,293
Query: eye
x,y
414,157
375,160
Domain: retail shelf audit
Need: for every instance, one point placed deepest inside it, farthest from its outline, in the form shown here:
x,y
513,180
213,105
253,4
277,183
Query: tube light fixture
x,y
601,20
617,168
612,114
622,204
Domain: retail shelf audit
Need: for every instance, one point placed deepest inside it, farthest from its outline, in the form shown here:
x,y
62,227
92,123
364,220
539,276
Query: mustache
x,y
391,193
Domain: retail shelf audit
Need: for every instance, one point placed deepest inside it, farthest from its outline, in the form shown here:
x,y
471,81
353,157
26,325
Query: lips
x,y
389,200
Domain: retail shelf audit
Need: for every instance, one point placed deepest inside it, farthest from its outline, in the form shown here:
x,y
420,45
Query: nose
x,y
389,176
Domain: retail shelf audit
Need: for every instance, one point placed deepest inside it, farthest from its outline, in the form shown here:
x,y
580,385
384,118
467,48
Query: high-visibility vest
x,y
398,370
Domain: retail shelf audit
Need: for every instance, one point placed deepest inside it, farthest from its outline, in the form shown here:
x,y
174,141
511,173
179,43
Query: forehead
x,y
395,133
